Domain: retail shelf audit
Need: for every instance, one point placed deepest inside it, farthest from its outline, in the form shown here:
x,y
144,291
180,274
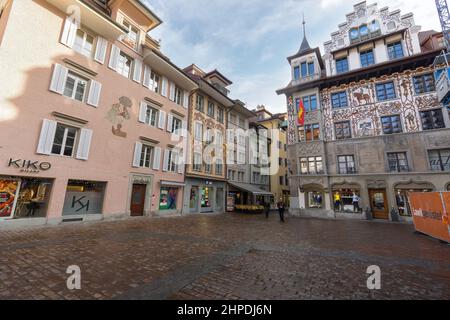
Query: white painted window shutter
x,y
142,112
164,87
46,137
137,74
157,159
69,32
162,120
147,76
59,78
137,155
172,91
84,144
95,89
100,50
114,57
166,161
169,122
186,99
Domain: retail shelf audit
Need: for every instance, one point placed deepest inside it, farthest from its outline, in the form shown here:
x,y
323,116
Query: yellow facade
x,y
279,184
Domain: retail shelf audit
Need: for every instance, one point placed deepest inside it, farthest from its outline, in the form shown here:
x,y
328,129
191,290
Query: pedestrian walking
x,y
281,209
355,200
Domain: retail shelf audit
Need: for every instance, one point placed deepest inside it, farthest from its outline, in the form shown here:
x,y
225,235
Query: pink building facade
x,y
91,112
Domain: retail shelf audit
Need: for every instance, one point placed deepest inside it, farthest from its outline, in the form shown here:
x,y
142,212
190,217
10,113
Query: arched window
x,y
363,30
354,34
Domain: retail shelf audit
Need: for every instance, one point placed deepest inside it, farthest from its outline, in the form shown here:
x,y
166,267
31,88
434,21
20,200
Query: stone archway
x,y
402,190
344,191
313,196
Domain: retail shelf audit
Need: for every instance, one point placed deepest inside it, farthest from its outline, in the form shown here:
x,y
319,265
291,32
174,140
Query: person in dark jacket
x,y
281,209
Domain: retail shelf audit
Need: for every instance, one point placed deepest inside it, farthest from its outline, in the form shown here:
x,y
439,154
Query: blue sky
x,y
249,40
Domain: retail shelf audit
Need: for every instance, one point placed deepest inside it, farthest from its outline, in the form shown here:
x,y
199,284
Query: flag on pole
x,y
301,113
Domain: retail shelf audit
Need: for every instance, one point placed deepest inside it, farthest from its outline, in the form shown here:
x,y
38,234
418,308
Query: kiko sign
x,y
29,165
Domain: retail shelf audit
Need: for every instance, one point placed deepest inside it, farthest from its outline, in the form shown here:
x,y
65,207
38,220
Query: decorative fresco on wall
x,y
118,114
292,121
365,113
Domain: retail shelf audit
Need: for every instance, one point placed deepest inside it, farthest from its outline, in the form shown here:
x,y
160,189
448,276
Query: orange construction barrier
x,y
431,212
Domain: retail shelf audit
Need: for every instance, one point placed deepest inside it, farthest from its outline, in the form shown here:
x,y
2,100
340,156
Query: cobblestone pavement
x,y
223,257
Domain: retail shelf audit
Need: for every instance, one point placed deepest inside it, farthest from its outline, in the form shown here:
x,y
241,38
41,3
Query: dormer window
x,y
354,34
363,32
311,68
304,70
132,37
296,73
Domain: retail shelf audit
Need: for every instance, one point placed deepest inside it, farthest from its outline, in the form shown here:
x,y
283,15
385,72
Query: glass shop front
x,y
23,197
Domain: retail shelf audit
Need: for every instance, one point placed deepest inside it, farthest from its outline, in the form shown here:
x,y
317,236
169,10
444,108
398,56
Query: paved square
x,y
223,257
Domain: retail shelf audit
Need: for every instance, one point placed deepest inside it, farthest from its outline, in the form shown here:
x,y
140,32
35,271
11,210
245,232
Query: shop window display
x,y
206,198
84,197
315,200
347,200
24,198
402,200
168,198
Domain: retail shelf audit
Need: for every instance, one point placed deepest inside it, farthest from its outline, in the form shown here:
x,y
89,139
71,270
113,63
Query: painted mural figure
x,y
118,114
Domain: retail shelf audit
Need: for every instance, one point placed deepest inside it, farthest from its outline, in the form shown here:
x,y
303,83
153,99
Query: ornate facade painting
x,y
292,121
118,114
408,105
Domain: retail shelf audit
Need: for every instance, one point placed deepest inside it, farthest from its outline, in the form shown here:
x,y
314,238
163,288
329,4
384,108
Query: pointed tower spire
x,y
305,45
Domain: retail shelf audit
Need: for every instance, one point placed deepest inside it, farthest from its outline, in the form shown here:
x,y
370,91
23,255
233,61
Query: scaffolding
x,y
442,75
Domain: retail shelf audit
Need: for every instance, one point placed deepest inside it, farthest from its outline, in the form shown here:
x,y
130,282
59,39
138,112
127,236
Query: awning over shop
x,y
172,183
250,188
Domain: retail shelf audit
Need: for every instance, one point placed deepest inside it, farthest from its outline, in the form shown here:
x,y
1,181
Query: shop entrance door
x,y
138,200
378,203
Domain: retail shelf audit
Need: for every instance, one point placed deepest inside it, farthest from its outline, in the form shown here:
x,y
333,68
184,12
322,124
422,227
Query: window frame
x,y
337,100
148,117
77,80
398,167
441,164
311,162
121,65
63,144
420,82
342,65
434,127
386,96
343,130
367,58
86,34
391,117
211,114
130,28
348,168
200,103
146,152
392,49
